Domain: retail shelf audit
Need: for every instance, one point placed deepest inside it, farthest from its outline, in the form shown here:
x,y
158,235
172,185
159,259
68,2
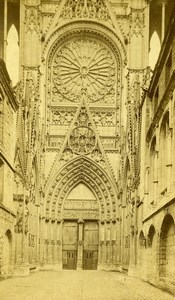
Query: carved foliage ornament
x,y
94,9
82,63
32,20
137,21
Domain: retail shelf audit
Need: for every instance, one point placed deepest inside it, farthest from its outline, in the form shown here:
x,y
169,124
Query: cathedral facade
x,y
87,137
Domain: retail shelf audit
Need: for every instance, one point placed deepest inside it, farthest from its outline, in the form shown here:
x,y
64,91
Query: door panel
x,y
90,255
70,238
90,260
69,260
70,235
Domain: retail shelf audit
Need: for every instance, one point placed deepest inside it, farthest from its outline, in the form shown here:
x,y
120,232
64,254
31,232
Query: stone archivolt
x,y
98,31
77,171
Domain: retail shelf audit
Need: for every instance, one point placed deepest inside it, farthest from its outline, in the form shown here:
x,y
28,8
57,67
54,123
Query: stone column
x,y
113,244
37,237
41,258
21,267
146,189
169,160
118,240
101,255
108,243
80,245
55,244
5,29
49,258
59,243
155,178
163,19
172,125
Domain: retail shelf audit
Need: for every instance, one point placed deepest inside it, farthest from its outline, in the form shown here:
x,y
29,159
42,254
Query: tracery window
x,y
12,54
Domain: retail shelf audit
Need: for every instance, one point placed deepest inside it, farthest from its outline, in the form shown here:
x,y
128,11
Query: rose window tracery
x,y
82,139
83,63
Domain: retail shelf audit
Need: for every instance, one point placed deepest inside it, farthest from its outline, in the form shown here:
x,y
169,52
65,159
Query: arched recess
x,y
84,32
81,170
167,248
141,250
151,254
89,35
84,27
7,254
98,219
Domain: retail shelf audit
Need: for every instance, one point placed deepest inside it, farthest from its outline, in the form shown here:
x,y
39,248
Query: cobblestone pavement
x,y
79,285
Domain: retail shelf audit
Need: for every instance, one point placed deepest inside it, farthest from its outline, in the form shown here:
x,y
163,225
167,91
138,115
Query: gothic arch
x,y
84,27
81,170
85,32
151,230
151,234
151,250
167,247
141,249
141,239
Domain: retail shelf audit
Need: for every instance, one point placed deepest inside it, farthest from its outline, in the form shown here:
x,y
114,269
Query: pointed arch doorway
x,y
80,238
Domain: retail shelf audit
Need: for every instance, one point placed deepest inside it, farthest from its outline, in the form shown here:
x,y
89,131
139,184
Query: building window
x,y
12,54
154,50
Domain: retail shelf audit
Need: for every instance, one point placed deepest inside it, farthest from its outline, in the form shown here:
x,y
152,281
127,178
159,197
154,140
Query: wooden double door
x,y
88,248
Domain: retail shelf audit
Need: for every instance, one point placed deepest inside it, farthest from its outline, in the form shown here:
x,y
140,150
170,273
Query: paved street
x,y
79,285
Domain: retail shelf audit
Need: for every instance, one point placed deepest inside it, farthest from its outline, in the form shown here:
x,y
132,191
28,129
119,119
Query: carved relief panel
x,y
81,207
85,9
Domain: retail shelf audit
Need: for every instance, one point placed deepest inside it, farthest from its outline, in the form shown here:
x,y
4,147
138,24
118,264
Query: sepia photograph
x,y
87,149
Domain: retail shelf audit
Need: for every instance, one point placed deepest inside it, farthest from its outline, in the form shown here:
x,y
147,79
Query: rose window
x,y
83,64
82,140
